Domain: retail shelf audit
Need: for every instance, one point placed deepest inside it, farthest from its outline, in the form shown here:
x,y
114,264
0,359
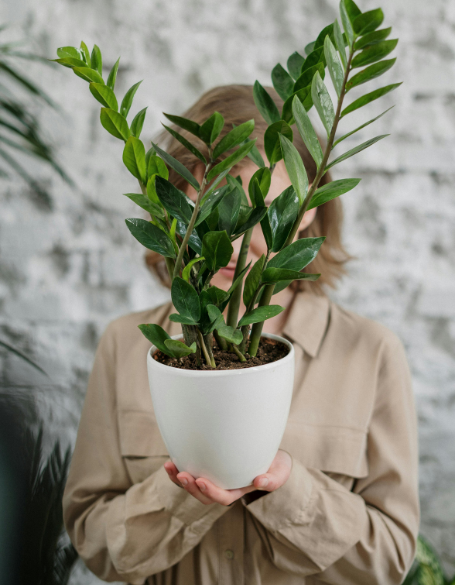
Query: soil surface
x,y
269,351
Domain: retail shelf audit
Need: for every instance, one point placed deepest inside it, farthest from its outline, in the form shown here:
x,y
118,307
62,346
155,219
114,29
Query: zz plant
x,y
195,239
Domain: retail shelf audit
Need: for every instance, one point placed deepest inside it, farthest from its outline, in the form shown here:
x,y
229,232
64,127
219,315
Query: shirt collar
x,y
308,321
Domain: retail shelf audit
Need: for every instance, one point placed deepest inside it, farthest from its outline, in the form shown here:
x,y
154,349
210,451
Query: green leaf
x,y
236,136
368,21
233,286
331,191
187,270
306,78
114,123
234,184
146,204
128,99
370,72
361,127
228,211
304,97
272,145
104,95
86,54
215,315
134,158
252,280
295,168
319,44
88,74
185,299
347,24
188,125
352,9
156,335
176,318
265,104
151,236
334,65
231,160
323,102
255,156
294,64
211,128
69,52
217,296
174,201
307,132
369,97
186,144
297,255
282,214
274,275
177,166
113,75
282,82
214,185
211,203
156,166
254,217
195,242
217,250
340,44
372,38
179,349
260,314
138,122
230,334
97,60
374,53
70,62
432,573
355,150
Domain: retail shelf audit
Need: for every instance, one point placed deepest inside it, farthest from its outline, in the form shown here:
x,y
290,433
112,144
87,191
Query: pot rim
x,y
214,373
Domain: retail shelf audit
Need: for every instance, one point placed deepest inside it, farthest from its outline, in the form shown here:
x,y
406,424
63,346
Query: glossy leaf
x,y
307,132
352,9
157,336
347,24
69,52
334,65
177,166
254,218
339,42
323,103
331,191
214,314
113,75
228,211
370,72
274,275
282,82
138,122
355,150
297,255
260,314
253,280
282,214
128,99
211,128
104,95
361,127
295,168
195,242
230,334
231,160
176,318
263,179
97,60
179,349
236,136
211,203
114,123
313,59
176,202
368,98
146,204
234,184
189,125
309,48
294,64
214,185
272,145
86,54
156,166
374,53
328,30
185,299
151,237
255,156
187,270
186,144
70,62
306,77
265,104
304,97
134,158
217,250
368,21
88,74
372,38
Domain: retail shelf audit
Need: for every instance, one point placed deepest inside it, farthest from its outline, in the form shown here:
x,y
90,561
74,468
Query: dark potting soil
x,y
269,351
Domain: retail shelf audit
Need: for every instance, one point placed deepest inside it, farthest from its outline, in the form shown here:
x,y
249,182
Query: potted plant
x,y
222,390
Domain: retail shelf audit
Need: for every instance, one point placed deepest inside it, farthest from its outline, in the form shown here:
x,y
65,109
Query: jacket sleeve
x,y
313,525
124,532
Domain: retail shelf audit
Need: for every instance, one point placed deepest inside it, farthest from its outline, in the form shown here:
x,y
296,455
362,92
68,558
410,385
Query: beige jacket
x,y
348,514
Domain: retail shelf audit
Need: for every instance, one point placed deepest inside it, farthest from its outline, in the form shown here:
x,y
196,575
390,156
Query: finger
x,y
277,475
172,471
190,485
220,495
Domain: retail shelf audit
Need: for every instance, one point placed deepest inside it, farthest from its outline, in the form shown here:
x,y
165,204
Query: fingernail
x,y
184,481
202,486
263,482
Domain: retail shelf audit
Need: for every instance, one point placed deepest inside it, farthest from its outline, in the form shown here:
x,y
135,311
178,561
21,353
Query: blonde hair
x,y
236,104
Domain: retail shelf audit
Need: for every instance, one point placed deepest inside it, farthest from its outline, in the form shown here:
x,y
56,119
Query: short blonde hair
x,y
236,104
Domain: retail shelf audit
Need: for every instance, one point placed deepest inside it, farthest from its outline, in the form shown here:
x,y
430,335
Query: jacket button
x,y
229,554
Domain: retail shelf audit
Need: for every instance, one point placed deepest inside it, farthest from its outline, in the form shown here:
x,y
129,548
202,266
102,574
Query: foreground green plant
x,y
195,239
426,569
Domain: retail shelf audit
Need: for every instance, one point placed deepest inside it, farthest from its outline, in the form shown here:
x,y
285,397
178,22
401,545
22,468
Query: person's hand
x,y
208,493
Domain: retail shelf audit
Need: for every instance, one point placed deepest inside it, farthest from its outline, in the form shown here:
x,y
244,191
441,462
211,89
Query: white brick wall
x,y
68,265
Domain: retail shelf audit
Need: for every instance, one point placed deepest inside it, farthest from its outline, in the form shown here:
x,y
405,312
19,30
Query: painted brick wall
x,y
68,265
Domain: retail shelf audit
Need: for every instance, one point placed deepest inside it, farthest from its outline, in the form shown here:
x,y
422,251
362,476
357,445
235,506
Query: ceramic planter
x,y
223,425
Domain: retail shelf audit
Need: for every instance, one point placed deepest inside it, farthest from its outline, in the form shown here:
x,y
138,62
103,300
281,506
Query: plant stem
x,y
204,349
268,291
238,353
221,342
234,303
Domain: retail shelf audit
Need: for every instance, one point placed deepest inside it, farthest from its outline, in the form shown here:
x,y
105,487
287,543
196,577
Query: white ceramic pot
x,y
223,425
